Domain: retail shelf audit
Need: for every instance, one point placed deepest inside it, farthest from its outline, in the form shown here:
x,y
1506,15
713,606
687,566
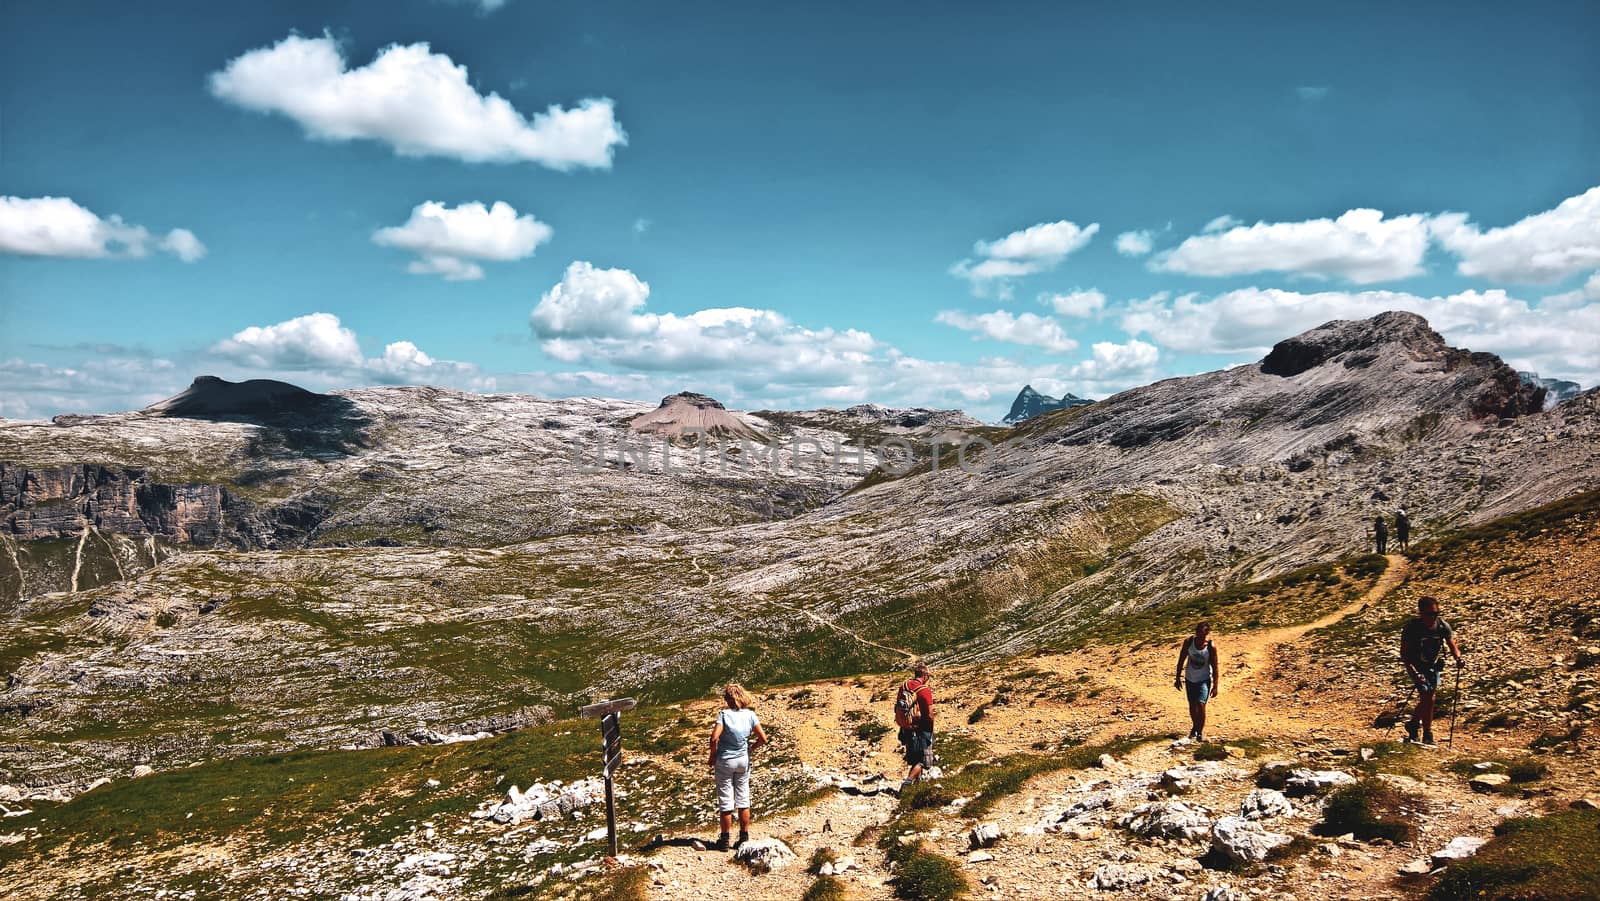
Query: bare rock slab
x,y
765,855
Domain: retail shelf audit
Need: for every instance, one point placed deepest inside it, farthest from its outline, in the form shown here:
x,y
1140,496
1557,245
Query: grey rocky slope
x,y
87,500
638,579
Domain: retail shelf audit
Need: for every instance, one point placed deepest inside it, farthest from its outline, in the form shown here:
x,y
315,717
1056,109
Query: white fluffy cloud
x,y
58,227
1554,341
591,303
1038,248
1136,243
1028,329
320,345
1360,246
594,315
419,102
446,239
1544,247
313,341
1079,304
1118,361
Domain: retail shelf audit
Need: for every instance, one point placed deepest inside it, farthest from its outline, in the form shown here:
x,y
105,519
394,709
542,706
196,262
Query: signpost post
x,y
609,713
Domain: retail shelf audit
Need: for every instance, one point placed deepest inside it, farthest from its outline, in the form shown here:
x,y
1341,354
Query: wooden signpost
x,y
609,713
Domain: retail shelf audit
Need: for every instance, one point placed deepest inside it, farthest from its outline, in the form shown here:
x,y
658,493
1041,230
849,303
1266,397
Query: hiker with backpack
x,y
1423,642
913,713
1199,674
1402,530
1380,534
730,760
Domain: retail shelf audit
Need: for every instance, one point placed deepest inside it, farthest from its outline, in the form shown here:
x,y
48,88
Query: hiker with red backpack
x,y
913,713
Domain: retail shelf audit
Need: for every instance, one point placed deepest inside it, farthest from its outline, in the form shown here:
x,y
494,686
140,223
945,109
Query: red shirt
x,y
924,717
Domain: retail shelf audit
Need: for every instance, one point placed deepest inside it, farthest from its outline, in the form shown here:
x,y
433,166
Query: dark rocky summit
x,y
1030,403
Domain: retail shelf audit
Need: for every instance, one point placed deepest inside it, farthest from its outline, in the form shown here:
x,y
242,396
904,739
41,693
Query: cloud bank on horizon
x,y
562,302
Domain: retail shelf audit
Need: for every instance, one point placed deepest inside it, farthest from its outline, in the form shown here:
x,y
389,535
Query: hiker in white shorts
x,y
730,760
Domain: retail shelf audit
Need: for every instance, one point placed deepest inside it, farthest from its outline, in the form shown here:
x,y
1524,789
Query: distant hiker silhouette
x,y
1423,642
913,713
730,760
1199,672
1402,529
1380,534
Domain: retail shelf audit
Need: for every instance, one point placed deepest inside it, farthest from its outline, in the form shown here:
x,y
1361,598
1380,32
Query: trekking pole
x,y
1455,704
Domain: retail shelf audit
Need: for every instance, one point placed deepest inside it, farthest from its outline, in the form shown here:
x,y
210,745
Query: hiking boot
x,y
1427,737
1411,730
743,837
722,842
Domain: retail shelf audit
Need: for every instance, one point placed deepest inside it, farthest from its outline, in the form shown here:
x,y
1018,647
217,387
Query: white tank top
x,y
1198,668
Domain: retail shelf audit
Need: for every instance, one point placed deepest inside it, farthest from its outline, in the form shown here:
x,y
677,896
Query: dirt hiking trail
x,y
1246,658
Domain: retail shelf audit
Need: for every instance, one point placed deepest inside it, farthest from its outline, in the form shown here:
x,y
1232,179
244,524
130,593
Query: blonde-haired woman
x,y
730,760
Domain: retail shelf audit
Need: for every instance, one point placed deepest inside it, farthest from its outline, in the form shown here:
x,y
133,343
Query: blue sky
x,y
816,195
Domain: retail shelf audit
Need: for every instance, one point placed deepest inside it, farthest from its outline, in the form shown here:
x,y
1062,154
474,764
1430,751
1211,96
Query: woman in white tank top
x,y
1198,675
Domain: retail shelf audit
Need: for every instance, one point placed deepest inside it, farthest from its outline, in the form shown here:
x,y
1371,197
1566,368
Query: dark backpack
x,y
905,704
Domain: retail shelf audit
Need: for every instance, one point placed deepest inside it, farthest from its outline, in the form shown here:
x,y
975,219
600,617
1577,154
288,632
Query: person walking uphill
x,y
1402,529
730,760
1199,674
1380,534
913,713
1422,645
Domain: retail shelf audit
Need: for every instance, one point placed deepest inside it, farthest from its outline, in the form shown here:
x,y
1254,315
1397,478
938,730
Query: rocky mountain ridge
x,y
661,579
1030,403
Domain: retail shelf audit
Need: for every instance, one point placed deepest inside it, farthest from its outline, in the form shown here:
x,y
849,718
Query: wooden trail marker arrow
x,y
609,713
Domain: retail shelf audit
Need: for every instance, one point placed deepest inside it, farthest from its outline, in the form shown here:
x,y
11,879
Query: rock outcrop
x,y
38,503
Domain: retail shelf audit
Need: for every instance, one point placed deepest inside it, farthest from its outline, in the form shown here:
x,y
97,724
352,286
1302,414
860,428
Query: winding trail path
x,y
1246,659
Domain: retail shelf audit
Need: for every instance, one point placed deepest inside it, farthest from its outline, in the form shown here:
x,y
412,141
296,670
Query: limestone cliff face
x,y
38,503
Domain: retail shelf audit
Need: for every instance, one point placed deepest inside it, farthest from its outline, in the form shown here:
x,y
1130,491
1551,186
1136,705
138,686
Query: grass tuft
x,y
1210,751
1371,809
826,888
820,857
1553,858
927,876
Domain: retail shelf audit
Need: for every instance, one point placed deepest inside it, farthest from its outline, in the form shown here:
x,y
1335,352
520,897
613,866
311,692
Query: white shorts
x,y
733,785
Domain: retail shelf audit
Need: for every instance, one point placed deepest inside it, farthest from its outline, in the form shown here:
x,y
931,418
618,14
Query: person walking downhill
x,y
1402,529
730,760
1422,645
913,713
1199,672
1380,534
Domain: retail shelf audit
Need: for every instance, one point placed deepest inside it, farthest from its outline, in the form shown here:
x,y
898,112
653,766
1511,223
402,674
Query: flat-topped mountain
x,y
212,396
691,415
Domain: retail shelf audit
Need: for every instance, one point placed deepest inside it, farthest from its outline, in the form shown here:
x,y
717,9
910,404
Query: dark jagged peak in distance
x,y
1555,390
1030,403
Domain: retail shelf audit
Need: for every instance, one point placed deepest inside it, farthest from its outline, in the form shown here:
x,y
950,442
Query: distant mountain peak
x,y
1555,390
210,396
691,413
1031,403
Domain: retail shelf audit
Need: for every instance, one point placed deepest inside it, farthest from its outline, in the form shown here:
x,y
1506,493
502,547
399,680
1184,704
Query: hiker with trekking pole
x,y
1423,642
